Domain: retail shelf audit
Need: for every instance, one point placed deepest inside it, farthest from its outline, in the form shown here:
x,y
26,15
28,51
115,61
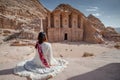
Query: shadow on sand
x,y
6,71
107,72
75,43
9,72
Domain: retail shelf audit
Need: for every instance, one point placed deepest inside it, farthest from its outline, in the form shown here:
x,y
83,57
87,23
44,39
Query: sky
x,y
108,11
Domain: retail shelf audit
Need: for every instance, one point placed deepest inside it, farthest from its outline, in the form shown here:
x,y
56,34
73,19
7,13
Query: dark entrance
x,y
65,36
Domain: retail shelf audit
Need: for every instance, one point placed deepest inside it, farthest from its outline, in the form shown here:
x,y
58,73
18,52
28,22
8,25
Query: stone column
x,y
52,20
49,21
41,26
70,21
81,26
61,24
79,21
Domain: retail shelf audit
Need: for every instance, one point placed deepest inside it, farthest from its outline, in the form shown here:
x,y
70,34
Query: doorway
x,y
65,36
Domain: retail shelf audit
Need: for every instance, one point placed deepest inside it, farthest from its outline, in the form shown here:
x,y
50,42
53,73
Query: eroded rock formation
x,y
18,15
108,33
96,22
63,23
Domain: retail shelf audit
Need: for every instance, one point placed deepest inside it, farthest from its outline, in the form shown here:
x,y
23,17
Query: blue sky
x,y
108,11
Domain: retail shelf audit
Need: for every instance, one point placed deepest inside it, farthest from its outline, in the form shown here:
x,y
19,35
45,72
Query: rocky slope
x,y
22,18
21,15
117,29
108,33
111,34
96,22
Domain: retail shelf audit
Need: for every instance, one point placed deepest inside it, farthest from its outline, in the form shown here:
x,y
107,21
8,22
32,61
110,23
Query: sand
x,y
104,65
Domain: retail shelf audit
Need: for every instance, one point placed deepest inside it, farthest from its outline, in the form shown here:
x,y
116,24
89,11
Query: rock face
x,y
117,29
63,23
68,23
96,22
20,15
92,34
108,33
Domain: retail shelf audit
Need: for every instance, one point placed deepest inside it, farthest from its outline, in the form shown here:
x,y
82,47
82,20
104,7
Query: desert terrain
x,y
22,20
104,64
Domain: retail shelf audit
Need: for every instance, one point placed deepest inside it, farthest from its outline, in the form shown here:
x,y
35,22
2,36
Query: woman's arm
x,y
51,60
50,54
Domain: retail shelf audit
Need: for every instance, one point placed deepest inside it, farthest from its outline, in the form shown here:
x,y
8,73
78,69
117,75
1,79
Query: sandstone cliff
x,y
96,22
22,15
25,17
92,34
108,33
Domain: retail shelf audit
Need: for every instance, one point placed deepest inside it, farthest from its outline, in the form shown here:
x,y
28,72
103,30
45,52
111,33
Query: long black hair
x,y
41,38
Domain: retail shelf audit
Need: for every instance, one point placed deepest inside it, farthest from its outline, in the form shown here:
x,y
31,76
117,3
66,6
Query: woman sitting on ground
x,y
43,65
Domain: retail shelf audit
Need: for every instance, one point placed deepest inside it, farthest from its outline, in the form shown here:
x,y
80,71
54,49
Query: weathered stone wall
x,y
7,23
69,24
75,20
28,35
58,34
65,26
65,20
56,17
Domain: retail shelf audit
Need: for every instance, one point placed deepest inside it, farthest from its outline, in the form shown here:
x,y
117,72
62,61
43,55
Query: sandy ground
x,y
104,65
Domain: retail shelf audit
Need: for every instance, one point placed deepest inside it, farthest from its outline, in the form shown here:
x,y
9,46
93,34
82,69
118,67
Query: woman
x,y
43,65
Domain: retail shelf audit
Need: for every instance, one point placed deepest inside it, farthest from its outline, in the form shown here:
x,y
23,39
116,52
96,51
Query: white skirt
x,y
29,69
